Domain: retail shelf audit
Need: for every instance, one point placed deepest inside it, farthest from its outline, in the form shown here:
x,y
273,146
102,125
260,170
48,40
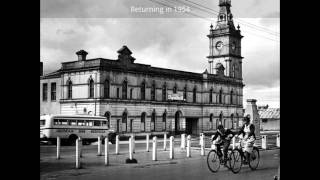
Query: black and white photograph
x,y
160,89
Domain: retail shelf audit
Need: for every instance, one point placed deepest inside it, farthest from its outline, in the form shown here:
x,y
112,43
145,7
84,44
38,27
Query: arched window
x,y
195,94
143,91
164,121
210,95
164,92
143,121
220,96
153,121
91,88
185,93
106,89
153,92
124,89
233,72
108,117
69,89
124,121
231,97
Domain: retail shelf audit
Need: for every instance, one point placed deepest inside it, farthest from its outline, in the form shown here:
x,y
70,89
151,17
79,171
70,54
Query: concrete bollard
x,y
154,149
188,146
133,143
201,140
278,140
130,149
202,146
233,142
78,163
58,147
99,146
171,155
117,144
80,146
165,142
264,142
106,151
147,142
183,141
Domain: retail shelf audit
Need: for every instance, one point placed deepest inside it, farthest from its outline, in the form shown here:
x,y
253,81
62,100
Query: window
x,y
220,96
118,93
210,95
211,121
124,89
96,123
73,122
89,123
164,93
108,117
45,92
81,123
175,89
63,122
153,121
131,91
91,89
164,120
195,94
106,89
69,90
103,123
56,122
153,92
264,120
143,120
53,91
233,73
143,91
185,93
124,121
232,122
42,122
231,97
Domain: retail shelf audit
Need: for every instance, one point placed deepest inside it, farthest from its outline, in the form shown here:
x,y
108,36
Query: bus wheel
x,y
72,139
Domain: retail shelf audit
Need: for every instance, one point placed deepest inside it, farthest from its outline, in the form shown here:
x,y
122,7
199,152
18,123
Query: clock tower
x,y
225,44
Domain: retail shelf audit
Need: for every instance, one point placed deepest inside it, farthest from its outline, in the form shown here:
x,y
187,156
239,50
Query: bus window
x,y
89,123
81,123
96,123
73,122
63,122
56,122
42,122
104,123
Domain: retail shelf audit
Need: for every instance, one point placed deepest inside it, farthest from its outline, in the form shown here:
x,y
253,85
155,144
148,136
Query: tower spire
x,y
225,17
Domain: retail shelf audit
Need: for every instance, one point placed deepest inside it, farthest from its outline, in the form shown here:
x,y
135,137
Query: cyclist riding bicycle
x,y
247,136
223,138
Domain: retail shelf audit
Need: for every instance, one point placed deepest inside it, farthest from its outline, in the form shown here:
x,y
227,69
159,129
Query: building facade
x,y
270,119
139,98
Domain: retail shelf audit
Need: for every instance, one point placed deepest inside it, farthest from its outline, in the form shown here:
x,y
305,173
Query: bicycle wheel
x,y
254,158
213,161
235,161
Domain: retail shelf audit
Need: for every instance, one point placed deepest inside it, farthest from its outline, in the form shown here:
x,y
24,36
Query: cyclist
x,y
222,138
247,136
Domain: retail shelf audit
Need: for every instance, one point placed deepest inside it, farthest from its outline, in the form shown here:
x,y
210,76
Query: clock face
x,y
219,45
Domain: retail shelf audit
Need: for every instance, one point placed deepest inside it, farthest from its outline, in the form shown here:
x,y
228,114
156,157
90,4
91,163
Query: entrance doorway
x,y
192,126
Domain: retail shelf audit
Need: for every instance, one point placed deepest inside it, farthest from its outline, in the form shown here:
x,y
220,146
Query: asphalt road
x,y
179,168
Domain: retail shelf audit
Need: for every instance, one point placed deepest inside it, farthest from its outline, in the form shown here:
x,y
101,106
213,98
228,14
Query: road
x,y
179,168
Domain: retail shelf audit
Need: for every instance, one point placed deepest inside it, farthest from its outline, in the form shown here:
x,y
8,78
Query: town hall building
x,y
139,98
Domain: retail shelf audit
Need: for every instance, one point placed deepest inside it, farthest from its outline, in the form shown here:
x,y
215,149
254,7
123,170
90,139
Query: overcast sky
x,y
168,40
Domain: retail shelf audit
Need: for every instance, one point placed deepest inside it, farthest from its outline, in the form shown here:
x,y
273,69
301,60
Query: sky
x,y
175,40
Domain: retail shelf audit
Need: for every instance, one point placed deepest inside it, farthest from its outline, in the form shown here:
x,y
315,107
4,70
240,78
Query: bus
x,y
71,127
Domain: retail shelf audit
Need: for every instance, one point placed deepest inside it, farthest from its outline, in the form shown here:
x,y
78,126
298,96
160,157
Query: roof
x,y
55,74
270,113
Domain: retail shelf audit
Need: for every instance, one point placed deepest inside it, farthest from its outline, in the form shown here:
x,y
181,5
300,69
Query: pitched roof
x,y
270,113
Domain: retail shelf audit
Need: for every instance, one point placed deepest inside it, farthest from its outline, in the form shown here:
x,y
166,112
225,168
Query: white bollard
x,y
130,149
202,145
171,147
133,144
106,151
147,142
58,147
154,149
188,146
117,144
264,142
165,142
99,146
183,141
233,142
278,140
201,140
78,163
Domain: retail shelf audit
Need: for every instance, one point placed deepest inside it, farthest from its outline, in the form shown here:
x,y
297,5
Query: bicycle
x,y
237,158
214,160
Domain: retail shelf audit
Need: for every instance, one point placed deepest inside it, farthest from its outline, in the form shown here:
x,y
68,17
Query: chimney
x,y
41,68
82,54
